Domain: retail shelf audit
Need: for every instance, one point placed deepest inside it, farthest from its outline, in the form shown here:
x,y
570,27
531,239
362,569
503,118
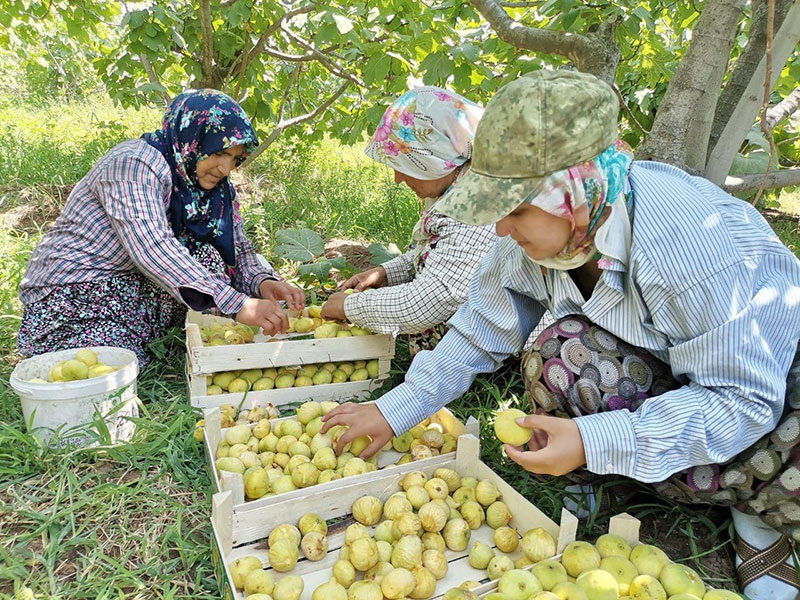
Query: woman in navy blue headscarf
x,y
152,229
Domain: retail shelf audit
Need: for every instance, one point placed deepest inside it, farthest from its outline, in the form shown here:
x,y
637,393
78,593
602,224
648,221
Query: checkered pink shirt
x,y
115,221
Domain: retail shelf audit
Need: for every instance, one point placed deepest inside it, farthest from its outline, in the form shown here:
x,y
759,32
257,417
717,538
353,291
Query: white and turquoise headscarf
x,y
593,197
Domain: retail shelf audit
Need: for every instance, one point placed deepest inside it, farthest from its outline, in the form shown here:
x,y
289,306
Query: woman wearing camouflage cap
x,y
425,136
675,351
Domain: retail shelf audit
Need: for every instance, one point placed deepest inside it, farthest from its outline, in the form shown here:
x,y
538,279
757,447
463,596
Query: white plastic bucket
x,y
71,407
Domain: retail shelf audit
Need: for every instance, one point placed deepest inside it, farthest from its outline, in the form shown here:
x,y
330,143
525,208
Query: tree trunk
x,y
746,65
743,117
688,105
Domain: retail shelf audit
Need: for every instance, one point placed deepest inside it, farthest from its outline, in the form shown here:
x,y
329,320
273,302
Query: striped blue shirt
x,y
707,287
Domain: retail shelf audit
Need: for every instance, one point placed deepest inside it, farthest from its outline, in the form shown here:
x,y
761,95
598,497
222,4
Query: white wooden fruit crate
x,y
234,482
243,533
340,392
277,351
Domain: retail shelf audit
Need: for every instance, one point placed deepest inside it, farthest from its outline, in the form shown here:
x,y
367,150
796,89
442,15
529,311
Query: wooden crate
x,y
233,482
340,392
277,351
244,533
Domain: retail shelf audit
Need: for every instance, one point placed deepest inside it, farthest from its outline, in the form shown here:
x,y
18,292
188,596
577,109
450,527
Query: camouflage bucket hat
x,y
543,122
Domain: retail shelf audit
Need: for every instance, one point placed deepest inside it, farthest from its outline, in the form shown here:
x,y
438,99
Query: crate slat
x,y
340,392
277,351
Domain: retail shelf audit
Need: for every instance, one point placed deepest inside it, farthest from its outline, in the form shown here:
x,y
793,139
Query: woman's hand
x,y
266,314
373,278
362,419
280,290
334,307
556,447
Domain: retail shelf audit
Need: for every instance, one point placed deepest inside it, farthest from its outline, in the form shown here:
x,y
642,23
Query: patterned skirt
x,y
575,368
126,310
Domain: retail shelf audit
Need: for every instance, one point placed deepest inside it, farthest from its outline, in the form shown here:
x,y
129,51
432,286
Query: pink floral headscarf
x,y
426,134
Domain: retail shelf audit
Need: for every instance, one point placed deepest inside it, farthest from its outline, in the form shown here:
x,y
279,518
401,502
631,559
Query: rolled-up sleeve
x,y
130,192
437,290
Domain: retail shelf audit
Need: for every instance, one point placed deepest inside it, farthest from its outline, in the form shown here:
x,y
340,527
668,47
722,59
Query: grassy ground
x,y
131,521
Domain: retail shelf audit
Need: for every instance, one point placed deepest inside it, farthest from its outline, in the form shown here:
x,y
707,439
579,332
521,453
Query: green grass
x,y
15,248
333,189
57,144
123,521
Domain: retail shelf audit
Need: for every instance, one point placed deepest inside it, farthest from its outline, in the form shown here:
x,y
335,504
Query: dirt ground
x,y
356,253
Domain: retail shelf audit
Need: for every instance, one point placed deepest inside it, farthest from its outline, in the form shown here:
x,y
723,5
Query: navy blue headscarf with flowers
x,y
197,124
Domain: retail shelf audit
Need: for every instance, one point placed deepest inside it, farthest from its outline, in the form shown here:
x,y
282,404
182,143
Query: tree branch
x,y
153,76
323,59
765,102
208,39
278,24
282,125
594,53
628,110
268,33
776,179
292,79
783,109
288,57
746,111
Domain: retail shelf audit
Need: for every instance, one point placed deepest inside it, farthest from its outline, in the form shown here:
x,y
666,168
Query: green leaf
x,y
178,39
343,24
377,68
644,15
470,51
463,76
238,14
381,254
756,137
137,18
327,33
437,67
754,163
151,87
300,245
320,270
568,20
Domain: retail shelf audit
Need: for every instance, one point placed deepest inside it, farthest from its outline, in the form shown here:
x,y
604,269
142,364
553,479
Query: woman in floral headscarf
x,y
426,138
152,229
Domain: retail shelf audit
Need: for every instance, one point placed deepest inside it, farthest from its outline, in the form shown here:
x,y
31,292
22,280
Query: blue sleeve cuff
x,y
609,442
401,409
